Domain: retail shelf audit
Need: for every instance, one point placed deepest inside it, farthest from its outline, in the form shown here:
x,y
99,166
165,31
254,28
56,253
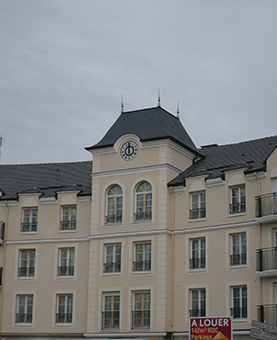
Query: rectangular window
x,y
26,263
66,262
24,309
198,253
110,315
198,302
141,310
239,309
237,200
64,308
112,258
238,256
29,220
68,221
142,256
198,205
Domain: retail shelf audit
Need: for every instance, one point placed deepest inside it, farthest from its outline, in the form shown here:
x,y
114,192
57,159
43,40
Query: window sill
x,y
142,221
26,278
23,324
63,324
67,231
141,272
112,224
237,214
65,277
238,266
240,320
197,220
28,232
111,274
197,270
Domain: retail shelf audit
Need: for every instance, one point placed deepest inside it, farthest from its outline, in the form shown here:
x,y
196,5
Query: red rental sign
x,y
210,328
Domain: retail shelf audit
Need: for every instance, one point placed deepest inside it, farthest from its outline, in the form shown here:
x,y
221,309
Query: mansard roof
x,y
45,179
250,155
148,124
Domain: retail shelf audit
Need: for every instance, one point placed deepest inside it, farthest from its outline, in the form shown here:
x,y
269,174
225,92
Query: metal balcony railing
x,y
266,259
2,230
110,320
239,312
143,216
66,271
63,317
197,263
266,205
68,225
140,319
28,226
267,314
113,267
23,317
141,265
237,259
1,273
197,213
26,271
197,312
236,208
113,219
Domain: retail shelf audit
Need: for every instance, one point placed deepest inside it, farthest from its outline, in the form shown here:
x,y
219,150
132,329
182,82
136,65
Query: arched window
x,y
114,204
143,201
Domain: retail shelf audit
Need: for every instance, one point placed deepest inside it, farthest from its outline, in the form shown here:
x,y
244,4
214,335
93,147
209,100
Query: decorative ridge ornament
x,y
122,105
159,99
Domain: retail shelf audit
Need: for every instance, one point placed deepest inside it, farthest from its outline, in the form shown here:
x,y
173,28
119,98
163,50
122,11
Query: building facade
x,y
152,232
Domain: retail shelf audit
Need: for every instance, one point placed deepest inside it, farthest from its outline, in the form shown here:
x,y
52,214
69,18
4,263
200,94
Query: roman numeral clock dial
x,y
129,150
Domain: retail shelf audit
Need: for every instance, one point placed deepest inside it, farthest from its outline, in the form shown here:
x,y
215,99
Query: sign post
x,y
202,328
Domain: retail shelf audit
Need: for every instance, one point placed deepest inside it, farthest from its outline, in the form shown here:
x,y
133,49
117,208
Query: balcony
x,y
197,263
2,231
23,317
26,271
68,225
267,262
113,219
28,227
268,314
66,271
195,214
140,319
143,216
239,312
266,206
110,320
113,267
237,208
237,259
139,266
197,312
63,317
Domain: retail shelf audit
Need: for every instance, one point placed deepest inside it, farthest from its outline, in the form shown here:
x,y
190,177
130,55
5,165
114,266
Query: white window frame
x,y
241,304
67,270
31,221
59,319
114,205
198,205
240,203
113,266
112,311
136,311
68,219
26,306
199,301
143,201
142,259
29,269
199,261
238,257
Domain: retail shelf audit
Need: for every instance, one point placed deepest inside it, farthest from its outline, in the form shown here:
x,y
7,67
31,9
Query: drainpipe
x,y
172,260
260,239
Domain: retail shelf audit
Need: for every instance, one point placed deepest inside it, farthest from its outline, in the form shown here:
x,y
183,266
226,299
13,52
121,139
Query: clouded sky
x,y
64,65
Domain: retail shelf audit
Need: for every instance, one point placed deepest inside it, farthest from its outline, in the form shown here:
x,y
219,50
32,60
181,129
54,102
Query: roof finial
x,y
178,112
159,98
122,105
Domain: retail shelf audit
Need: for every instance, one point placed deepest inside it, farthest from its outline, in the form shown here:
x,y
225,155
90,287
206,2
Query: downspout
x,y
260,235
172,260
4,263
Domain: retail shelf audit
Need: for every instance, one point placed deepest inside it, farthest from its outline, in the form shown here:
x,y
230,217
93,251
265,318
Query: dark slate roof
x,y
148,124
45,179
250,155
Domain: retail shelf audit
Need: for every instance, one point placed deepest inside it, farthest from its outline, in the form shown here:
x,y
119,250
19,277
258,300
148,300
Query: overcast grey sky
x,y
64,65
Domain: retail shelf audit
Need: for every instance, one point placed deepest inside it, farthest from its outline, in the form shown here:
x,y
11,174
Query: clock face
x,y
129,150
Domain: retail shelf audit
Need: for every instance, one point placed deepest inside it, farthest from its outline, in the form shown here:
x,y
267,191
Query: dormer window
x,y
237,199
114,205
29,217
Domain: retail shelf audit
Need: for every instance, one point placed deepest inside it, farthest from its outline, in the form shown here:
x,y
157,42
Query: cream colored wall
x,y
46,284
